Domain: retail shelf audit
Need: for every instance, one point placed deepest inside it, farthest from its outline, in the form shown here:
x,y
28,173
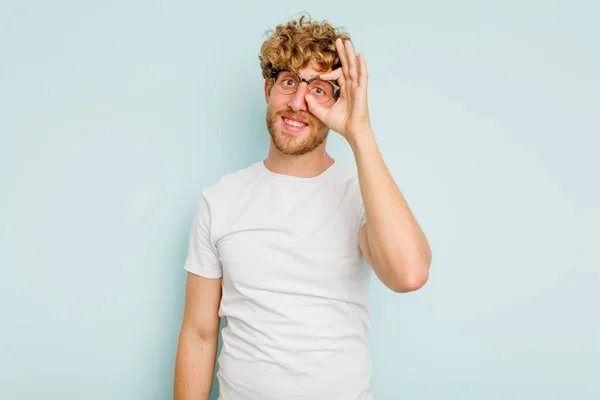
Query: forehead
x,y
313,69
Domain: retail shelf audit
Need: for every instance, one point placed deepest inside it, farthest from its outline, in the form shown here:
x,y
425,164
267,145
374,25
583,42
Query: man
x,y
283,249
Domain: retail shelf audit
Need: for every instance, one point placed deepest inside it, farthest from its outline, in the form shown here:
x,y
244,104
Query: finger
x,y
342,80
339,45
352,62
363,73
335,75
315,108
332,75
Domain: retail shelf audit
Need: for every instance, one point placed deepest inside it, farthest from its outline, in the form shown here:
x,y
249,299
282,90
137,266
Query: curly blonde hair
x,y
296,44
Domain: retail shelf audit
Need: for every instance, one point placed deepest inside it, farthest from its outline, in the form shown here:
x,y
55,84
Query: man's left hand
x,y
349,115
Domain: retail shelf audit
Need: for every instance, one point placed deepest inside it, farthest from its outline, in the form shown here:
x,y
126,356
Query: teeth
x,y
294,123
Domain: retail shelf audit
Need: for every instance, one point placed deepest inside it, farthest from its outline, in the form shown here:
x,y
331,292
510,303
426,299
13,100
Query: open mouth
x,y
294,124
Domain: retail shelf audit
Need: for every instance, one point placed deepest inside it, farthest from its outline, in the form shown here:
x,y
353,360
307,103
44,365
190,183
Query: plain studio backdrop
x,y
115,114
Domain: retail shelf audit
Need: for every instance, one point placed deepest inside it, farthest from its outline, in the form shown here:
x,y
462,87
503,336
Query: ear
x,y
267,91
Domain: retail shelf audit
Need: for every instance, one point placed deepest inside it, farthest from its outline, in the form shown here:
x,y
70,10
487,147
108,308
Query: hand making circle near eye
x,y
349,115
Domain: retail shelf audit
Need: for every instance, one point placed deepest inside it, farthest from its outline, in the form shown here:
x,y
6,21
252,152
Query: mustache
x,y
307,117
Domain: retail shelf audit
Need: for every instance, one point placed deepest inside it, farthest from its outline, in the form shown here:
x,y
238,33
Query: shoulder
x,y
231,185
348,186
346,176
223,199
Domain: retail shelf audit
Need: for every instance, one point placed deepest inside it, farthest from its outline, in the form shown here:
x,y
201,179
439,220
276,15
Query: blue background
x,y
115,114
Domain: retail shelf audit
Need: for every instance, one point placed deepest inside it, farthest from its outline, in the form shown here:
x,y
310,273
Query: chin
x,y
294,144
295,139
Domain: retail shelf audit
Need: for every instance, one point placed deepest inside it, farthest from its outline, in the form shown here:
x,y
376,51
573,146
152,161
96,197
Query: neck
x,y
305,166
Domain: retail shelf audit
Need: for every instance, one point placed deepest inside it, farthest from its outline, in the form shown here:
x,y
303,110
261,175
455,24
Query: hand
x,y
349,115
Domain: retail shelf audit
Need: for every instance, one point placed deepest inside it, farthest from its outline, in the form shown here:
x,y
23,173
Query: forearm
x,y
194,365
398,246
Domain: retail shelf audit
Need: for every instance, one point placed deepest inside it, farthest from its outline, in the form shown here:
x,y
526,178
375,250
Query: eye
x,y
318,91
288,82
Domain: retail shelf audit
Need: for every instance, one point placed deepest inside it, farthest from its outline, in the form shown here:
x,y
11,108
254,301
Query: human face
x,y
293,129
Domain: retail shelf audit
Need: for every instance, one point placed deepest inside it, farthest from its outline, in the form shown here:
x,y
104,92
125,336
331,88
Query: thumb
x,y
315,108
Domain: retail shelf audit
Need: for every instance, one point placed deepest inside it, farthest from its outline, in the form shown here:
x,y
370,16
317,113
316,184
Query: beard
x,y
291,144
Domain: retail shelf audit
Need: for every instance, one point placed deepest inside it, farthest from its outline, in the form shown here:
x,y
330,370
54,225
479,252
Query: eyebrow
x,y
309,79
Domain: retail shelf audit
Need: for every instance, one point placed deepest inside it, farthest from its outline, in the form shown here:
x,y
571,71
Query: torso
x,y
295,285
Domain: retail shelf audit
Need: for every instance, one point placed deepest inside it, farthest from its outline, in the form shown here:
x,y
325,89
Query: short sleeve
x,y
202,257
363,215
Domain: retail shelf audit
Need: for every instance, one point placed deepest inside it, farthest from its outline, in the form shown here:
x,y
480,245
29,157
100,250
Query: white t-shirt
x,y
295,283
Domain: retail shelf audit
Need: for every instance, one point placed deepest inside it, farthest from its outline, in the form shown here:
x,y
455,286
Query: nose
x,y
298,100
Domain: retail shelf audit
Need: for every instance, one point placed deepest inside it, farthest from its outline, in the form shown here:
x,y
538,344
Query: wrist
x,y
362,141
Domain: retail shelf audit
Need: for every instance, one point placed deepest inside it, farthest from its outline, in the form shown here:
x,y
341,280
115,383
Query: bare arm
x,y
391,240
198,339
